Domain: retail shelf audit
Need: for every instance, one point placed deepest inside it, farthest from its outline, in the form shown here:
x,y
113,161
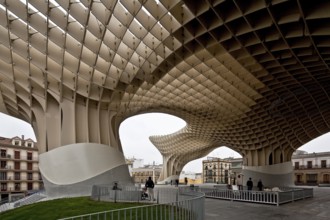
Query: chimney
x,y
23,137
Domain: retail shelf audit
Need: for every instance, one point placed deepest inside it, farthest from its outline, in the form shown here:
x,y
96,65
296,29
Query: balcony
x,y
303,167
21,179
26,158
6,167
5,156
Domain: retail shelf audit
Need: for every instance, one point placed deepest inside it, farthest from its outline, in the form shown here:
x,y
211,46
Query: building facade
x,y
19,171
216,170
190,178
311,168
141,174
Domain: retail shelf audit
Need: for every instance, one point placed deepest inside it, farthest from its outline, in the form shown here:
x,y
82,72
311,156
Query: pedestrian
x,y
249,184
239,182
115,186
260,185
150,188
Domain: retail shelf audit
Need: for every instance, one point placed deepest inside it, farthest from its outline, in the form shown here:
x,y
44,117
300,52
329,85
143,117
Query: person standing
x,y
150,188
239,182
115,186
249,184
260,185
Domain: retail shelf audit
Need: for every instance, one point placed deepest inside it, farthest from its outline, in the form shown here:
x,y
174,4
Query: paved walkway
x,y
316,208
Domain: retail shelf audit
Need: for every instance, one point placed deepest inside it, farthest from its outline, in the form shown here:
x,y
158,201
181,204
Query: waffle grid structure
x,y
251,75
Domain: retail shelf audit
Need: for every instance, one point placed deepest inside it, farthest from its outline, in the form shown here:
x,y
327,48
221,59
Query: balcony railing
x,y
304,167
9,156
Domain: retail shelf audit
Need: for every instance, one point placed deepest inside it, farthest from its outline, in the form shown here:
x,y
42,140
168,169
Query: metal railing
x,y
276,197
169,204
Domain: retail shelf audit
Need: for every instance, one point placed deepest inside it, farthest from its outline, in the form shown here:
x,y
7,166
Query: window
x,y
309,164
17,155
3,164
17,176
30,186
3,153
17,165
29,144
299,178
17,143
3,175
29,155
29,176
29,166
296,165
3,186
323,164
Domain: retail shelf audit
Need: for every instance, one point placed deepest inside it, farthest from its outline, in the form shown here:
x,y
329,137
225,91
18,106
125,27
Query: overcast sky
x,y
135,132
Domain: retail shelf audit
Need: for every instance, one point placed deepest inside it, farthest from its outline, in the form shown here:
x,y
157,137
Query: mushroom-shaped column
x,y
79,147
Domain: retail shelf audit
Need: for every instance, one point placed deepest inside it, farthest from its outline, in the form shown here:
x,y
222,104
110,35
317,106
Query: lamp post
x,y
153,171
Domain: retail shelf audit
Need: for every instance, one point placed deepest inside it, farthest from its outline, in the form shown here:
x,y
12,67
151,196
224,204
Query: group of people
x,y
249,183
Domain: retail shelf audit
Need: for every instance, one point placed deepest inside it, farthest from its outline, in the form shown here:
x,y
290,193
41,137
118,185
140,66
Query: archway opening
x,y
135,131
11,127
270,159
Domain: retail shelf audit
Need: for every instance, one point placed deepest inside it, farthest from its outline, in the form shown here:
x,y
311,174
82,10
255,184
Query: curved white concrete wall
x,y
73,169
78,162
271,175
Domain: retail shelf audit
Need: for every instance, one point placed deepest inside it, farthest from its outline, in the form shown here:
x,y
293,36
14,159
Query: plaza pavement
x,y
316,208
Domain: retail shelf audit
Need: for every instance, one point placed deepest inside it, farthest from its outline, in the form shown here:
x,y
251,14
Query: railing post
x,y
115,196
99,193
139,196
277,198
177,196
292,195
157,196
172,212
303,191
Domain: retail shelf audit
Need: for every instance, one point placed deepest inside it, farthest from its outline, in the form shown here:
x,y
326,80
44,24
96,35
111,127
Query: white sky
x,y
135,132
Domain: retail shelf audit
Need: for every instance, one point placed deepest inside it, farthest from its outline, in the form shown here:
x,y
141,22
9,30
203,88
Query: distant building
x,y
19,170
141,174
216,170
133,163
311,168
190,177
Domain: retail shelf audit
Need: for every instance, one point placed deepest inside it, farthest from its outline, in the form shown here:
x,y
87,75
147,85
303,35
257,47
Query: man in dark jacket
x,y
249,184
150,188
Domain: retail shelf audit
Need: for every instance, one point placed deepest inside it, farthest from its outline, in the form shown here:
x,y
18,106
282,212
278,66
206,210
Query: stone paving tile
x,y
316,208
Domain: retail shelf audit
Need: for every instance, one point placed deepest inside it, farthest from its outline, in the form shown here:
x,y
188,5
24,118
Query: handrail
x,y
278,196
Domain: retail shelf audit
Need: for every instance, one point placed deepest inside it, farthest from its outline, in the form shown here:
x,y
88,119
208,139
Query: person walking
x,y
150,188
249,184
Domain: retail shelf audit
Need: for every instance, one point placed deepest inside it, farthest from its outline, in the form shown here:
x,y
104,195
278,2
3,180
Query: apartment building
x,y
216,170
141,174
311,168
19,171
